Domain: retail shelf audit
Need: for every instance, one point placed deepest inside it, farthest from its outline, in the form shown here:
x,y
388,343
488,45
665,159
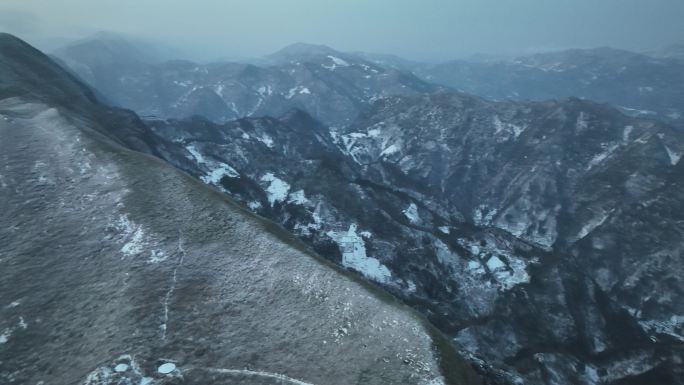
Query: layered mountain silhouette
x,y
639,85
335,87
332,86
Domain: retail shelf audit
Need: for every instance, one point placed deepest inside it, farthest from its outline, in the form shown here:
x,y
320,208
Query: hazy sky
x,y
417,29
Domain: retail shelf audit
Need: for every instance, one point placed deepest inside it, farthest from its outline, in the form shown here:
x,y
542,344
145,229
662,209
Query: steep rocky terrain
x,y
290,170
513,227
599,190
638,84
116,268
332,86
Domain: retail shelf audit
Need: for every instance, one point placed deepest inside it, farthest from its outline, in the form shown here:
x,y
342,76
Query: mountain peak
x,y
301,47
7,38
302,51
27,72
105,46
299,117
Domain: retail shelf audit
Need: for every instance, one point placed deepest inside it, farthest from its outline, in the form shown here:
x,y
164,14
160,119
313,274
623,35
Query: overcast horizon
x,y
429,30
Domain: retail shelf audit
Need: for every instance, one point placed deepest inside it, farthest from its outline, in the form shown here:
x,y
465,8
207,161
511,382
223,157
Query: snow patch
x,y
483,215
133,233
277,188
582,122
593,224
266,139
336,62
392,149
476,267
444,229
315,225
354,255
183,83
494,263
374,132
596,160
625,134
4,337
507,127
254,205
674,156
215,176
591,375
298,198
636,112
508,274
299,90
265,91
166,368
157,256
518,275
411,213
196,154
219,169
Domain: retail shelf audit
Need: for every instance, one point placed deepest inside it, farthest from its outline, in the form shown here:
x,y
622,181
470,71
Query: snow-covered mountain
x,y
639,85
543,237
335,87
600,191
116,268
532,233
332,86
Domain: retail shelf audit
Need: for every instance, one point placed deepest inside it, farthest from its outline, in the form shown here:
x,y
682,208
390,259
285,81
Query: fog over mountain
x,y
421,30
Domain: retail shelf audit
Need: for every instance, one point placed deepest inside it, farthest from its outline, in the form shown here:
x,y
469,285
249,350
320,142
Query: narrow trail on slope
x,y
256,373
172,288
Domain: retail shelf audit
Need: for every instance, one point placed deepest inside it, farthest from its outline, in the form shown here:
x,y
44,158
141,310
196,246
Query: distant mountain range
x,y
335,87
637,84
